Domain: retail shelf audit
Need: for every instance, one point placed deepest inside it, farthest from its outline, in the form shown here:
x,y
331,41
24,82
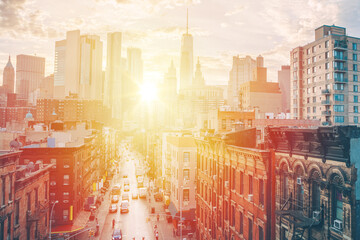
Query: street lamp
x,y
52,208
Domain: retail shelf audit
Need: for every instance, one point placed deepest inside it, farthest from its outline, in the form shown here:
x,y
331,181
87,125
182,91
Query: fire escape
x,y
35,216
293,213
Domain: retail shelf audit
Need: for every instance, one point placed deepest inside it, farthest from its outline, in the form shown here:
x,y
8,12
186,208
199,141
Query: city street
x,y
138,223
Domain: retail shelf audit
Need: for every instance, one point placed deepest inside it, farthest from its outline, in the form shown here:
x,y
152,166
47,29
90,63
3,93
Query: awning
x,y
66,229
187,215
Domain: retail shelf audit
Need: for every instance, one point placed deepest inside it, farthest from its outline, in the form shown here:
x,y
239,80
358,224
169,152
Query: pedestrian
x,y
113,222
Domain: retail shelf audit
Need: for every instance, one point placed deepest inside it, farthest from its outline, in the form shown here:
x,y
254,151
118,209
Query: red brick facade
x,y
233,191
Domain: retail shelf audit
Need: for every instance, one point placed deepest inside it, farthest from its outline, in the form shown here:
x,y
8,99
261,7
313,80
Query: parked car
x,y
124,207
114,198
134,194
117,234
125,196
113,208
126,182
126,188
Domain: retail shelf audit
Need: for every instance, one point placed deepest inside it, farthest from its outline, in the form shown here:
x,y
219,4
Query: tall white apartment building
x,y
324,78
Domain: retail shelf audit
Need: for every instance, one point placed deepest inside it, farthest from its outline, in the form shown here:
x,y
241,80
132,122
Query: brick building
x,y
317,192
31,205
8,162
233,190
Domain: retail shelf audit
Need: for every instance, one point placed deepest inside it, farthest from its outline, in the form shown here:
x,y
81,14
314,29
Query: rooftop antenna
x,y
187,21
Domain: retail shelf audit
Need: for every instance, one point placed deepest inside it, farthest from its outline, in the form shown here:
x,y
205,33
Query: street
x,y
138,223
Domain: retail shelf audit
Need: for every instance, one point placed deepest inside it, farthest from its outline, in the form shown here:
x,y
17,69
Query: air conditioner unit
x,y
338,225
250,197
298,180
226,184
316,215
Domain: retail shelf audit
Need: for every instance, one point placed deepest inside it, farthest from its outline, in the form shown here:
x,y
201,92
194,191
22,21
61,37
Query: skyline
x,y
217,29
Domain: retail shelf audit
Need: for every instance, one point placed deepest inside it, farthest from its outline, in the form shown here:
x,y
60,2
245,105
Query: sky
x,y
221,29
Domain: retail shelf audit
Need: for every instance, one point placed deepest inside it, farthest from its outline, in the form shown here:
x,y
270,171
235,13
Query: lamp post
x,y
52,209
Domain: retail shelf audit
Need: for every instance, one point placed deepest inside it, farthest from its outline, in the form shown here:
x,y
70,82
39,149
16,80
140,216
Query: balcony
x,y
326,123
340,80
340,58
326,102
326,113
340,69
341,45
325,91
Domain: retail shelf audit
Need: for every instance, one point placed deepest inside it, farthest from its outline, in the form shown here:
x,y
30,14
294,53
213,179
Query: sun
x,y
148,92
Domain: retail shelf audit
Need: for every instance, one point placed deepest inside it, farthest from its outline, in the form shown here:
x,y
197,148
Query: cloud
x,y
234,11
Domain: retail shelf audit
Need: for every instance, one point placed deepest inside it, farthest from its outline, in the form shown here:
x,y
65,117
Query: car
x,y
117,234
124,206
125,196
115,198
142,192
113,208
134,194
126,182
126,188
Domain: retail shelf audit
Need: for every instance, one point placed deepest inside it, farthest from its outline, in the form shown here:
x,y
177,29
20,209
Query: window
x,y
10,188
261,233
241,183
356,99
356,109
28,201
46,190
314,109
339,97
327,76
308,51
308,109
354,46
338,108
241,223
233,177
327,43
308,80
285,186
308,61
338,204
314,59
314,69
250,184
186,195
66,179
355,67
355,87
314,99
339,119
327,55
36,198
186,157
315,196
9,227
186,174
3,191
17,212
308,71
66,195
250,229
356,119
355,78
313,49
65,215
327,65
223,123
354,56
314,89
261,191
233,215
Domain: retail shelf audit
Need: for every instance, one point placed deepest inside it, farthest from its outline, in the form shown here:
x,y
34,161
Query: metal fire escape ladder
x,y
299,230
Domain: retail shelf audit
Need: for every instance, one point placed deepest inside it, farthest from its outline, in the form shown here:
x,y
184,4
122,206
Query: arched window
x,y
315,190
337,197
284,183
299,173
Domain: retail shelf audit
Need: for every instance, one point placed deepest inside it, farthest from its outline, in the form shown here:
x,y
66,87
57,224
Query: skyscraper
x,y
72,62
90,84
29,73
242,71
324,78
8,77
186,58
59,69
135,67
198,79
113,78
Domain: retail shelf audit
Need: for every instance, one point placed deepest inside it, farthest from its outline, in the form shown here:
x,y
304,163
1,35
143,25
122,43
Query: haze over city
x,y
221,29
